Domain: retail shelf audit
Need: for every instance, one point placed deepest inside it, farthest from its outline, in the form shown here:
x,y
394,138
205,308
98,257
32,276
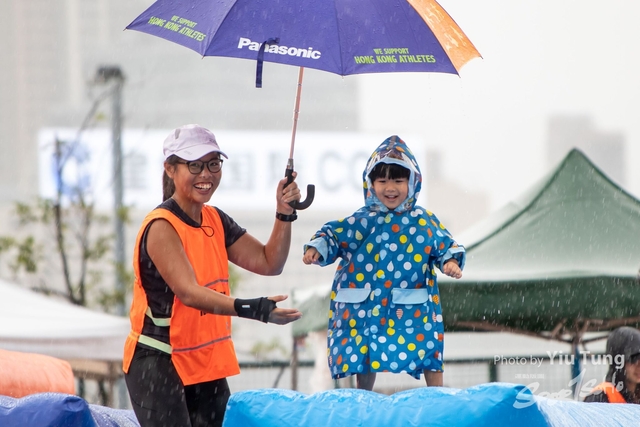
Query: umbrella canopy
x,y
339,36
563,258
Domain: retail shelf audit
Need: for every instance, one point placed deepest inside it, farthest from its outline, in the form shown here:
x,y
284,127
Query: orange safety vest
x,y
201,347
610,390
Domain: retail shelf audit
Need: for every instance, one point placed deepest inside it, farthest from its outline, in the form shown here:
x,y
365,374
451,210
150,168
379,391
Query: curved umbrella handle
x,y
311,192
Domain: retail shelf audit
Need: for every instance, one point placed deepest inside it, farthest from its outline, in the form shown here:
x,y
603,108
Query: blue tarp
x,y
494,405
491,405
58,409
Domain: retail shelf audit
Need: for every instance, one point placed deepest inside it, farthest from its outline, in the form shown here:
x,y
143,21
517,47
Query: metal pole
x,y
493,372
295,363
116,140
113,74
108,74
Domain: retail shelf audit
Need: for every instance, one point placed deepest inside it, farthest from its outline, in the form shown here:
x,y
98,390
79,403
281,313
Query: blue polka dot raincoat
x,y
385,313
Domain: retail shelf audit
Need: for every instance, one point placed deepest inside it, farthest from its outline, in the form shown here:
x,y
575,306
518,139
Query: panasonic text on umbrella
x,y
280,50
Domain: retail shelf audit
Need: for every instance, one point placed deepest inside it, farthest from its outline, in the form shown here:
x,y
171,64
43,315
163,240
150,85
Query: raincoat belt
x,y
200,343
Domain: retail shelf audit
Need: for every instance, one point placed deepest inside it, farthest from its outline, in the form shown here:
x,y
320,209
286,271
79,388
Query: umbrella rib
x,y
335,12
215,33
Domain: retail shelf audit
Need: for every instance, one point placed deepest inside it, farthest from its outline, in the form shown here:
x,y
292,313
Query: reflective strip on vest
x,y
158,321
179,350
154,343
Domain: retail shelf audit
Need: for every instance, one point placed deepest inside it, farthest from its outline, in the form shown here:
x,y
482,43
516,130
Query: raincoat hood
x,y
392,151
624,341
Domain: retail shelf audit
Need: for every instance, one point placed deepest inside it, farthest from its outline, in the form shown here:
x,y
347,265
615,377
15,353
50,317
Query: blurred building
x,y
50,53
454,205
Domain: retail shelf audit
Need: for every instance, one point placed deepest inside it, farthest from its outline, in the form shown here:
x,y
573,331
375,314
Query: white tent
x,y
34,323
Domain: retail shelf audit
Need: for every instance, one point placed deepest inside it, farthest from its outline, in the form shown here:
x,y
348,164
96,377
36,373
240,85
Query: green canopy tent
x,y
559,261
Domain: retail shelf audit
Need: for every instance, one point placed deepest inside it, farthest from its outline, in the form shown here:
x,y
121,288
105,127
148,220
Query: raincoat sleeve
x,y
327,243
446,247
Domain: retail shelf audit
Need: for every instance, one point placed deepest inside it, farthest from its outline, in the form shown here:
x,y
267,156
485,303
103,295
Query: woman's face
x,y
632,368
199,187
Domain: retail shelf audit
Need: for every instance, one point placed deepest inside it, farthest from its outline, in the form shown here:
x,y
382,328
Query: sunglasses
x,y
197,166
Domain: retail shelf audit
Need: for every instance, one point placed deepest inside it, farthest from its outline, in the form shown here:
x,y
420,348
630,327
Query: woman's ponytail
x,y
168,186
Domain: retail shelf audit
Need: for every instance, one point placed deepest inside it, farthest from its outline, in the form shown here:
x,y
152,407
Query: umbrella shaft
x,y
296,109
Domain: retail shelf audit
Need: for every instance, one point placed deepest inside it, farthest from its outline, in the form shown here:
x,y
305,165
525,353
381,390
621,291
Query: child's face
x,y
391,192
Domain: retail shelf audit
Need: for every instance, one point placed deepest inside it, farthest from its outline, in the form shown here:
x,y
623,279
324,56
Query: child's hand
x,y
311,256
452,269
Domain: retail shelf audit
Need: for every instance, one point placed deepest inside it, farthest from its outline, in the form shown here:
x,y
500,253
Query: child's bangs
x,y
389,171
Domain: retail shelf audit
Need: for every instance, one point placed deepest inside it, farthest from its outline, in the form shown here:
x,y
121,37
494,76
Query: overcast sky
x,y
540,59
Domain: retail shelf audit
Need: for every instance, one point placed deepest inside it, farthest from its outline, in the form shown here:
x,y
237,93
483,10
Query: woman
x,y
179,351
623,377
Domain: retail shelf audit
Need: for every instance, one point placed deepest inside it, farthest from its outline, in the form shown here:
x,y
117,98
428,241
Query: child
x,y
385,313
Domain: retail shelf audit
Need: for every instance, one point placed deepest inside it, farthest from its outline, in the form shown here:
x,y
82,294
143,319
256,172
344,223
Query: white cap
x,y
190,142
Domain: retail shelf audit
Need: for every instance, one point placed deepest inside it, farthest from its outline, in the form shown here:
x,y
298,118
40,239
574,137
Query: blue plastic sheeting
x,y
57,409
433,406
495,405
580,414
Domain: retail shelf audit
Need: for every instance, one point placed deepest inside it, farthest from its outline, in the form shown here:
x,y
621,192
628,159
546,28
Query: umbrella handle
x,y
311,189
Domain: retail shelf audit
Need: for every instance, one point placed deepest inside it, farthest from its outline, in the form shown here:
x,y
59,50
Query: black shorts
x,y
159,398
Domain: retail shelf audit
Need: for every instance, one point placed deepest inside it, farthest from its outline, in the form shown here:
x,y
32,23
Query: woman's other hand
x,y
282,316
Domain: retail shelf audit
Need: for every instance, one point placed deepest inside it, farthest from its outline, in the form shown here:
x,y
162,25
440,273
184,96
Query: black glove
x,y
255,308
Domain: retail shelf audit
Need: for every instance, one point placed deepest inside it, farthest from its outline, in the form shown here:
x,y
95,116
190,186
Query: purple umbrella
x,y
339,36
